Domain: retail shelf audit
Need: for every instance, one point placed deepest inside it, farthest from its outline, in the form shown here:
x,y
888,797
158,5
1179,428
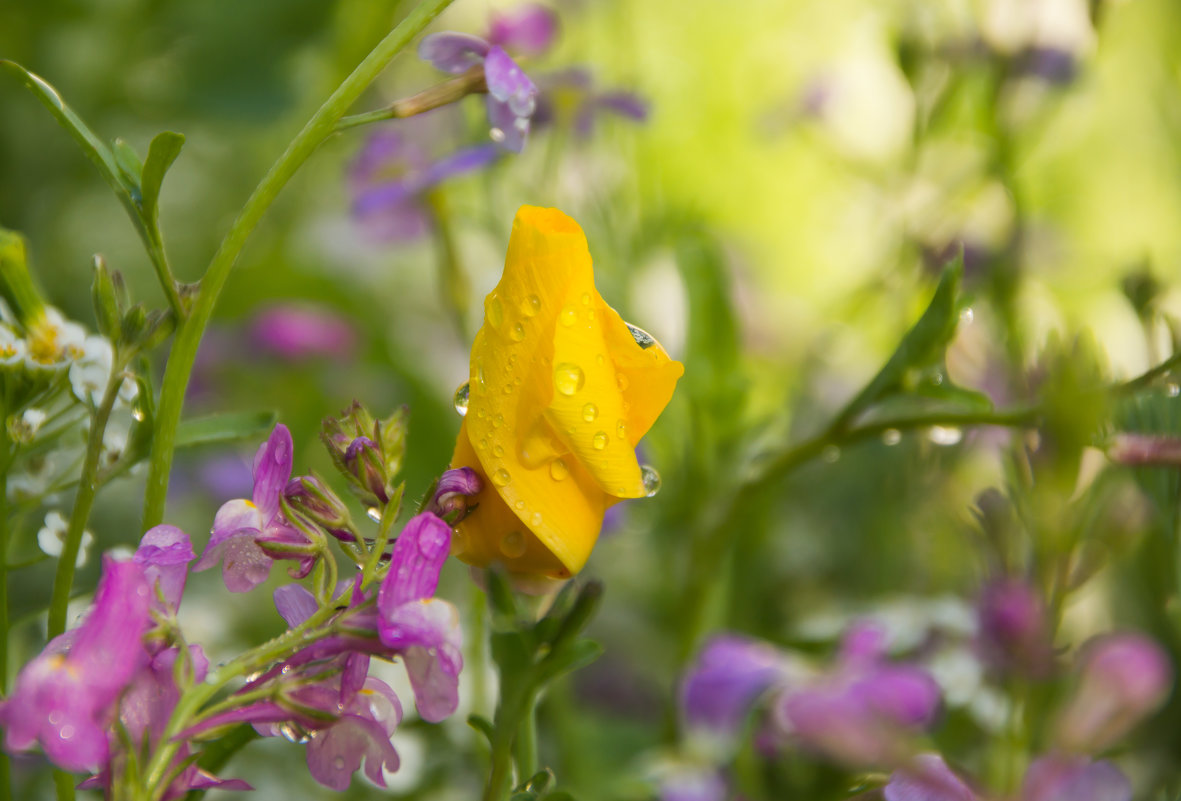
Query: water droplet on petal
x,y
498,421
512,544
517,333
498,451
621,429
138,414
496,135
519,506
558,470
568,316
495,311
944,435
586,298
651,480
338,763
501,478
462,396
642,337
568,378
374,514
531,306
535,521
621,382
891,436
67,732
590,412
600,440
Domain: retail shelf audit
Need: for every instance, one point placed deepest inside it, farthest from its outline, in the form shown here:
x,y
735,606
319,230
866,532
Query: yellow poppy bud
x,y
560,392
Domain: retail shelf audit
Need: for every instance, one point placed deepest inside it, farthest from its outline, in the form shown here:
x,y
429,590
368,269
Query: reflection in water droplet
x,y
590,412
568,316
568,378
621,382
519,505
586,298
294,733
495,311
830,454
496,135
1172,390
374,514
891,436
138,414
501,478
338,763
512,544
535,521
642,337
517,333
67,732
944,435
558,470
531,306
462,396
967,315
651,480
621,429
498,421
600,440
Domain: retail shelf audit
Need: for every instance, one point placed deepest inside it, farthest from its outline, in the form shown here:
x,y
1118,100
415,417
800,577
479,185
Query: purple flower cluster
x,y
101,697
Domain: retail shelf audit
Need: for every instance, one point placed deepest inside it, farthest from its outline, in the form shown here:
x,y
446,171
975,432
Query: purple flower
x,y
453,492
1122,678
296,332
165,552
243,529
389,177
1014,633
512,96
571,94
424,630
1074,778
730,674
64,697
866,710
529,29
927,778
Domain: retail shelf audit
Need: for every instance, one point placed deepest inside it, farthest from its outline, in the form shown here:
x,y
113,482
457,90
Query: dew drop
x,y
558,470
498,421
590,412
374,514
568,378
496,135
483,443
138,414
462,397
498,451
586,298
568,316
519,506
517,333
600,440
891,436
535,521
651,480
944,435
495,311
480,374
831,454
67,732
621,429
501,478
621,382
512,544
508,389
55,717
642,337
1173,390
600,358
531,306
967,315
338,763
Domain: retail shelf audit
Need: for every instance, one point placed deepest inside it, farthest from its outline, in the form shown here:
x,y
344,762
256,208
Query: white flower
x,y
22,429
12,348
52,535
92,370
54,341
128,390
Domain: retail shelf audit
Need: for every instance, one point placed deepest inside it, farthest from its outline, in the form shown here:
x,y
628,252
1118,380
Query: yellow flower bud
x,y
561,390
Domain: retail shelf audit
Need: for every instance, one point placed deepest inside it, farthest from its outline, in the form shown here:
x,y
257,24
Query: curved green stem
x,y
442,94
189,331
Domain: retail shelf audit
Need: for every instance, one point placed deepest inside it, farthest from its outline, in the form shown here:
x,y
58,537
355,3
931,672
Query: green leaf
x,y
224,428
129,163
161,153
576,655
482,725
535,786
921,346
91,145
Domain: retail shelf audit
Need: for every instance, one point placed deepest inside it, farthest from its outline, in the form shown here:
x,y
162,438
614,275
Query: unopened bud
x,y
105,299
16,284
315,501
454,493
1014,633
1122,679
366,468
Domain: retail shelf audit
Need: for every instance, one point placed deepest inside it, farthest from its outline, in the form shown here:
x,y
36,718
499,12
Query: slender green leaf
x,y
576,655
224,428
129,163
161,153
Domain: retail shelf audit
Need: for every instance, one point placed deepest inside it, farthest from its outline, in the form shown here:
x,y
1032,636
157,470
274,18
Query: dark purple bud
x,y
1014,633
1122,679
453,493
363,463
1058,777
312,499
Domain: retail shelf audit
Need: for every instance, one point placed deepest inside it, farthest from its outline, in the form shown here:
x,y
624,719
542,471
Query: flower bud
x,y
1122,679
16,285
1014,634
106,304
366,468
312,499
454,493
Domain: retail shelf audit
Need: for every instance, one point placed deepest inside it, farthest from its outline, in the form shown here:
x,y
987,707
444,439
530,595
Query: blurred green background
x,y
777,222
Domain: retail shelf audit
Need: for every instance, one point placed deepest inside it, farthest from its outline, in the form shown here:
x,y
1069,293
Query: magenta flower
x,y
64,698
1122,679
1014,633
394,170
866,711
512,96
1074,778
726,680
165,552
296,332
243,529
529,29
927,778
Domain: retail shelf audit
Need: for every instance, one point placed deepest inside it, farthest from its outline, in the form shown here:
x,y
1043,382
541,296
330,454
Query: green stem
x,y
5,767
471,82
88,483
454,286
525,743
1145,379
190,330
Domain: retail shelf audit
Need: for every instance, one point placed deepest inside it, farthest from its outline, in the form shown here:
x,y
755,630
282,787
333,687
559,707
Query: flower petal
x,y
418,556
295,603
452,52
428,636
165,552
272,470
529,29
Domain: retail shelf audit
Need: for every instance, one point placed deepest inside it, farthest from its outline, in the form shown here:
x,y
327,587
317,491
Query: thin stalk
x,y
443,94
88,483
525,743
190,329
5,766
454,286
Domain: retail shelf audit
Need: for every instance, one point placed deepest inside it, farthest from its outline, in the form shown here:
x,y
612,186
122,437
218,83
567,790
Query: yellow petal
x,y
559,394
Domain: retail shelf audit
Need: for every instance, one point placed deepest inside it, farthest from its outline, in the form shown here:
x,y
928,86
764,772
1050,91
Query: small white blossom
x,y
24,428
12,348
51,537
91,372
